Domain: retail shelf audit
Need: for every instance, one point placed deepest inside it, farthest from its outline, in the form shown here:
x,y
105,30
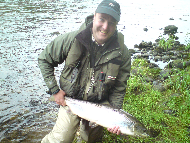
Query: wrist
x,y
55,92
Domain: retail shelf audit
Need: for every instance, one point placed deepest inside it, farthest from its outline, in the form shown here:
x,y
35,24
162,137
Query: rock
x,y
150,44
148,79
151,52
157,85
159,50
134,72
178,64
173,57
157,40
166,57
157,58
145,55
171,18
144,50
170,30
186,63
132,51
155,53
55,33
170,53
170,112
136,46
155,44
145,29
142,45
156,82
185,56
153,65
164,74
175,95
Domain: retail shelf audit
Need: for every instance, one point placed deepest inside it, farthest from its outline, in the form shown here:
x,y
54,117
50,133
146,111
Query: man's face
x,y
104,27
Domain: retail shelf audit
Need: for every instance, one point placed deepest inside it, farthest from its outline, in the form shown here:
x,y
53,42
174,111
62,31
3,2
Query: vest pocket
x,y
68,82
112,72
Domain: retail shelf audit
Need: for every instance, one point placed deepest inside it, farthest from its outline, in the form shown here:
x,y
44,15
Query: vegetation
x,y
165,114
167,43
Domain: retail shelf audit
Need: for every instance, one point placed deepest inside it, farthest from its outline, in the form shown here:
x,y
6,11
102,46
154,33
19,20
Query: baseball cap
x,y
111,8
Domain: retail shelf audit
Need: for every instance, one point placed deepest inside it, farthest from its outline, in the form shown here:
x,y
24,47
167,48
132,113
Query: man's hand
x,y
114,130
60,98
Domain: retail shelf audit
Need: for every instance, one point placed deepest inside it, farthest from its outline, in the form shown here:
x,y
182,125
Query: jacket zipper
x,y
90,83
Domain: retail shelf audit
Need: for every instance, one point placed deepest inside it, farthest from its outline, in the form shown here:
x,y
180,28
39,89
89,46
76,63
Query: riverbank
x,y
159,98
164,111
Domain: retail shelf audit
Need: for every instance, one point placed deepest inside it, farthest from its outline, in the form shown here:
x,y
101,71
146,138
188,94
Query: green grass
x,y
165,114
167,43
148,106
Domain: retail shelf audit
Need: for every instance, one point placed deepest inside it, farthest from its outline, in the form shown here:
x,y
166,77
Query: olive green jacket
x,y
106,80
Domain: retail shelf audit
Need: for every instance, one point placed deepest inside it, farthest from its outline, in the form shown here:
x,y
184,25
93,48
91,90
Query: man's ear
x,y
94,16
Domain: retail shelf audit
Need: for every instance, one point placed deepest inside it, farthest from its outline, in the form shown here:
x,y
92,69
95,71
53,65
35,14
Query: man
x,y
97,66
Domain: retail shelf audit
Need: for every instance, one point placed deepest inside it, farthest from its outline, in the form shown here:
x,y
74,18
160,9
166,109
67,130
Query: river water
x,y
27,26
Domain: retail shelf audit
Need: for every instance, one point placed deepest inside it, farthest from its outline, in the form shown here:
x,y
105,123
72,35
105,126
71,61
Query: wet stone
x,y
157,58
170,112
173,57
164,74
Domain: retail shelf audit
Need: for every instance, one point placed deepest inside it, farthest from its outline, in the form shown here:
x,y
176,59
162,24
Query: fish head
x,y
140,130
132,126
127,129
134,129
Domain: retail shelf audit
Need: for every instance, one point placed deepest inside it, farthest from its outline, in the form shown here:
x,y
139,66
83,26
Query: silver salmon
x,y
106,116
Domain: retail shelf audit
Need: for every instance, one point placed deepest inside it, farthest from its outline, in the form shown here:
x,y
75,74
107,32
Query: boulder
x,y
170,30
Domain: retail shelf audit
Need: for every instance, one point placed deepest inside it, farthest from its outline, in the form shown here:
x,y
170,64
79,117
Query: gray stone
x,y
157,58
148,79
165,73
160,87
166,58
170,112
173,57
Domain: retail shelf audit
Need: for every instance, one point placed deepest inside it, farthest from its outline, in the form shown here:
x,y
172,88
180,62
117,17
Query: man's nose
x,y
105,26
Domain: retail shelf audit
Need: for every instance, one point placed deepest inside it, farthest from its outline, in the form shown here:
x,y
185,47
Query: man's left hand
x,y
114,130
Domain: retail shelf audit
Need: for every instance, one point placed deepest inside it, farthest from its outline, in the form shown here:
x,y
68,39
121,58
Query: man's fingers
x,y
59,98
114,130
61,102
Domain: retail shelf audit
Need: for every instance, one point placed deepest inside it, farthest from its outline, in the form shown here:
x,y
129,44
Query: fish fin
x,y
125,112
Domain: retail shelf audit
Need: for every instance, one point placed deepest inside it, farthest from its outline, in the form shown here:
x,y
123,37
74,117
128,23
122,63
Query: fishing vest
x,y
79,81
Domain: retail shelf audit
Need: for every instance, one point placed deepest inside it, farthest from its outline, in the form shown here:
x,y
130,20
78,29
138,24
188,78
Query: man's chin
x,y
103,38
101,41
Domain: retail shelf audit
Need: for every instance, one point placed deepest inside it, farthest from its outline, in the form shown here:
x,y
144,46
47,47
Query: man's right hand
x,y
60,98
